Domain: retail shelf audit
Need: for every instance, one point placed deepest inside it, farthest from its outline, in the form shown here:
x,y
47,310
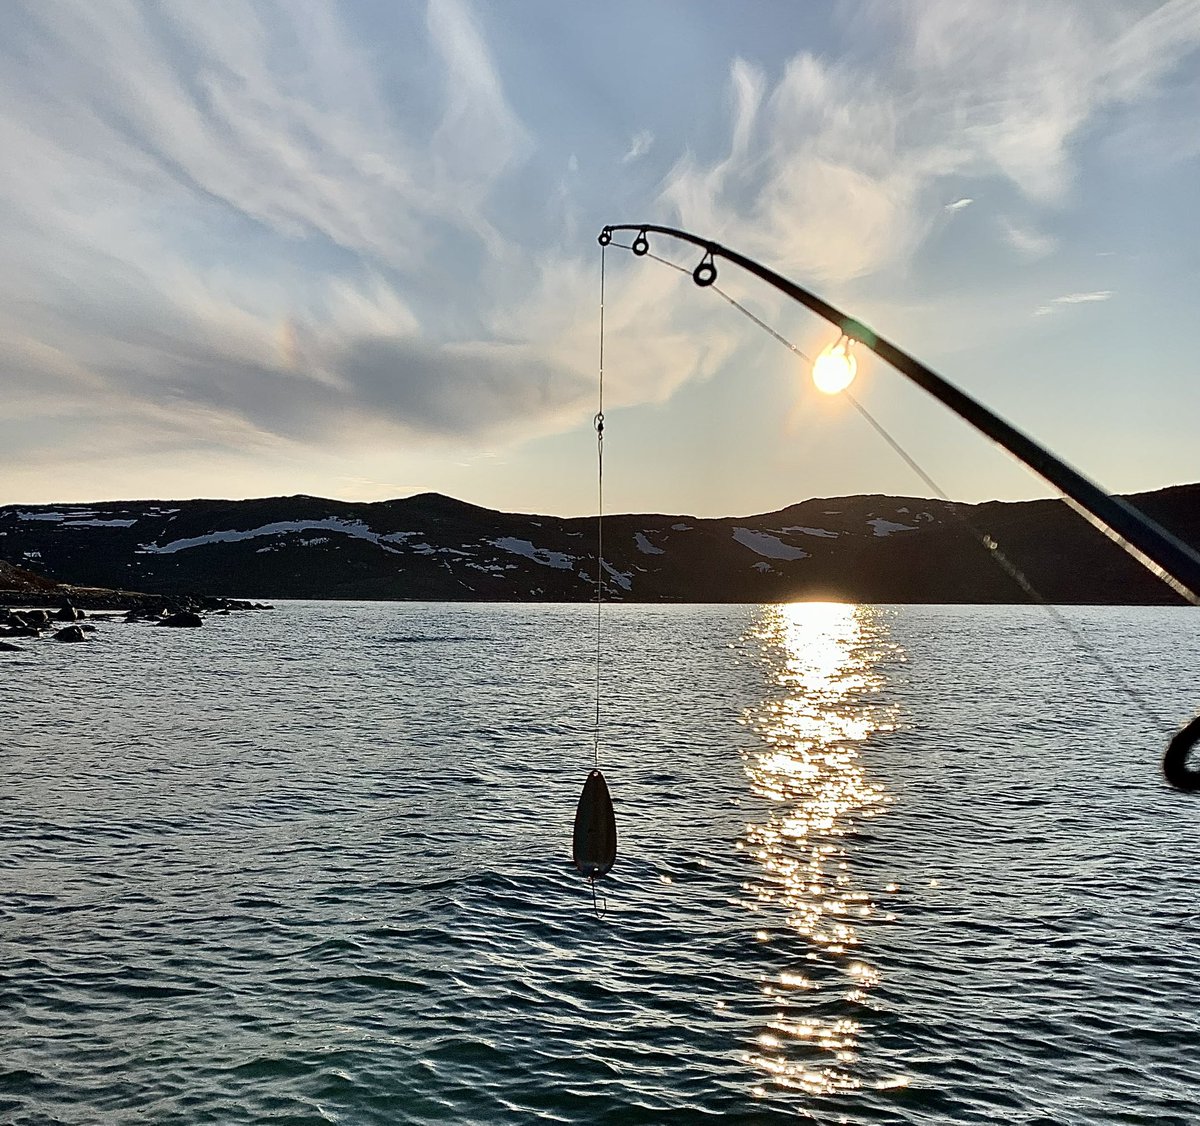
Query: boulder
x,y
20,631
68,613
182,618
9,647
70,633
25,625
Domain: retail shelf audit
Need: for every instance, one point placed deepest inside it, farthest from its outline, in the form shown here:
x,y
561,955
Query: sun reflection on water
x,y
822,658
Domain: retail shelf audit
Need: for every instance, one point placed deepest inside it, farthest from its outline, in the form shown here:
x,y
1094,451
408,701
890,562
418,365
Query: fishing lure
x,y
595,837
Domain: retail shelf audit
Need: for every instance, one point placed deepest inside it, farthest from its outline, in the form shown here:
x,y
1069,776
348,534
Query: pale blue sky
x,y
349,248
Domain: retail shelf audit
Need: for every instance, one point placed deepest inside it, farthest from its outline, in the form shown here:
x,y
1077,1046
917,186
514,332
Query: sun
x,y
834,369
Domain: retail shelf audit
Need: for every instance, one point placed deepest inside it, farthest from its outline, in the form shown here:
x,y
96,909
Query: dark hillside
x,y
857,548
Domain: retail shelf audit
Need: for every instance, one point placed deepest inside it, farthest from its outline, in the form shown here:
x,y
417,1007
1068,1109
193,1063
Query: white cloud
x,y
1025,240
1072,299
479,137
833,171
959,204
638,146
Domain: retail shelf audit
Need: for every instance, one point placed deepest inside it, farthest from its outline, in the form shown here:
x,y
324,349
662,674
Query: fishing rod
x,y
1164,554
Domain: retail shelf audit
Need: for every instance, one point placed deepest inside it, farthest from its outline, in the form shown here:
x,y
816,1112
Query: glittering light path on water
x,y
822,658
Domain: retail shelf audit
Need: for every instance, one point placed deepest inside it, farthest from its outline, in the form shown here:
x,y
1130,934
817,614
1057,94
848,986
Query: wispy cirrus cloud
x,y
1025,240
219,249
257,241
1057,303
640,144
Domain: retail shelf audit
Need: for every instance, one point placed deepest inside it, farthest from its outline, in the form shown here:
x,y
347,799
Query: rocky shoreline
x,y
33,607
120,601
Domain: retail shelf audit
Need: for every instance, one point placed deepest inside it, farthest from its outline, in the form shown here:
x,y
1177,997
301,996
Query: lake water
x,y
876,864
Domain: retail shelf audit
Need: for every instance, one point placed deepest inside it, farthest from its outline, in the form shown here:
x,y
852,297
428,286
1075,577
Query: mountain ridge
x,y
867,547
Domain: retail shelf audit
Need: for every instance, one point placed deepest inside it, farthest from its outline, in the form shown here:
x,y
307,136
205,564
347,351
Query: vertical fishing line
x,y
598,422
599,903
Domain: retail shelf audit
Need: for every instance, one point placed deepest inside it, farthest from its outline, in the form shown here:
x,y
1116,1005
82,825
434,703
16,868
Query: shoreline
x,y
98,599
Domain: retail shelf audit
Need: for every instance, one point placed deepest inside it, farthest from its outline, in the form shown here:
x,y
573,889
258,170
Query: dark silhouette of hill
x,y
857,548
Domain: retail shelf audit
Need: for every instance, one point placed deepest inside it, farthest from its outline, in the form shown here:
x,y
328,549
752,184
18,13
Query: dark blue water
x,y
895,865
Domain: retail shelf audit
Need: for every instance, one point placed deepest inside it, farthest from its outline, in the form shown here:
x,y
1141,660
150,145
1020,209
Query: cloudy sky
x,y
349,248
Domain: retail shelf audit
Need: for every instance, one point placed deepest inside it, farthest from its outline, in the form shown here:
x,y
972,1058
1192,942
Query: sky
x,y
349,249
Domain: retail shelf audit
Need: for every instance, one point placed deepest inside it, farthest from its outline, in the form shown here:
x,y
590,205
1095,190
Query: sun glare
x,y
818,715
834,369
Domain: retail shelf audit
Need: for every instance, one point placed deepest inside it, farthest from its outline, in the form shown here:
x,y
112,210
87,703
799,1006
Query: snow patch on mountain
x,y
645,546
800,530
353,528
492,568
557,559
767,545
887,527
623,579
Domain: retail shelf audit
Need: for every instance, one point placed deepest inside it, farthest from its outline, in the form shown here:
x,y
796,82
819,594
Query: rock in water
x,y
595,838
183,618
20,631
70,633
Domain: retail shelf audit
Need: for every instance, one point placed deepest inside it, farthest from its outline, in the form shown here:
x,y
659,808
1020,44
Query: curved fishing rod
x,y
1166,556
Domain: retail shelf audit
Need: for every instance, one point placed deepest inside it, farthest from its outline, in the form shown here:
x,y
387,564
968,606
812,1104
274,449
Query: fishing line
x,y
1018,576
594,836
598,423
1131,694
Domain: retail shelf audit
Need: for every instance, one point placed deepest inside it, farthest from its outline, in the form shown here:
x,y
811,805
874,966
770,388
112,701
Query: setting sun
x,y
834,369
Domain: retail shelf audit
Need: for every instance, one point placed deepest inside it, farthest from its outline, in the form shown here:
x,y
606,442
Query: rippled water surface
x,y
877,864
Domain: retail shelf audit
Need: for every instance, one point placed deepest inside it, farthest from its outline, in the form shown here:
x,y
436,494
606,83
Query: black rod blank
x,y
1168,557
